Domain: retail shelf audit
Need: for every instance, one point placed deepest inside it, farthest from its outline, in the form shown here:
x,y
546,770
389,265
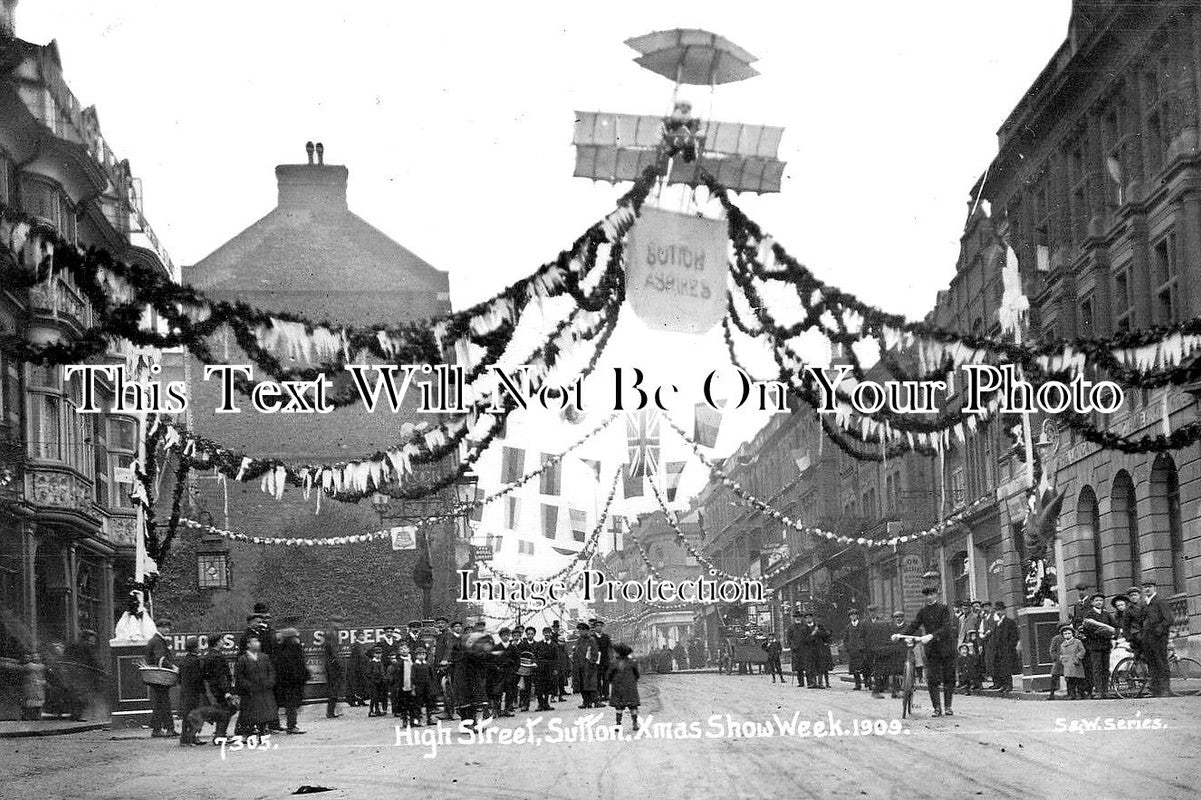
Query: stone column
x,y
70,567
29,552
1189,242
105,631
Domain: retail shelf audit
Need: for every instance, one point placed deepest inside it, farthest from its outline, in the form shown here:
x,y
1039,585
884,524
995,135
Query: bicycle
x,y
1131,677
909,677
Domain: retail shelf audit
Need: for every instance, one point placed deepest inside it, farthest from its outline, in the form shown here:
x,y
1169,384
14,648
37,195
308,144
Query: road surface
x,y
695,743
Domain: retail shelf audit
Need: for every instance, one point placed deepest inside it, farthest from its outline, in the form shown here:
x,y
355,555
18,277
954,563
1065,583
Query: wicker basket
x,y
159,676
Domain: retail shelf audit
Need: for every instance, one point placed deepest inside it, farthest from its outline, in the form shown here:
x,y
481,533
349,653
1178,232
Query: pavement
x,y
702,736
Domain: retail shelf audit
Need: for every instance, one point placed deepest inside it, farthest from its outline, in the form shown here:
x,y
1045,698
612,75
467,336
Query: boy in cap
x,y
1071,656
856,644
377,680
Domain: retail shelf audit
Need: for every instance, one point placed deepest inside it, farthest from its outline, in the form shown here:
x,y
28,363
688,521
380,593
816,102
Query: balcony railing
x,y
60,300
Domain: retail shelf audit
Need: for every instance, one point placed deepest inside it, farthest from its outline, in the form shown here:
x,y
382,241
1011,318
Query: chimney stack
x,y
315,186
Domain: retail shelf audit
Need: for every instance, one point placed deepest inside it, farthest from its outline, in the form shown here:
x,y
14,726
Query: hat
x,y
963,604
999,605
898,613
414,624
929,590
976,602
797,614
1134,590
1114,600
1081,586
582,626
261,608
288,633
1149,582
379,648
873,607
1096,595
1065,626
163,621
853,612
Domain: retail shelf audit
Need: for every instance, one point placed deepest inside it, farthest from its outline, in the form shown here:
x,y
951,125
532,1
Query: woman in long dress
x,y
255,680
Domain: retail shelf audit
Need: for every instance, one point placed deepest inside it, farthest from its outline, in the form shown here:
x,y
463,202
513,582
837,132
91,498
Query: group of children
x,y
407,681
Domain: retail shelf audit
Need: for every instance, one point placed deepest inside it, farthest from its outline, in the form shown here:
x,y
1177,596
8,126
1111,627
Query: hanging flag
x,y
550,521
1014,303
512,464
675,469
548,481
616,527
579,524
706,425
477,511
631,485
593,465
642,436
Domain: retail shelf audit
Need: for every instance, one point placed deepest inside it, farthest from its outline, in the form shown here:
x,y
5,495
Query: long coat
x,y
191,683
333,667
855,640
1071,656
470,676
1006,662
216,676
291,674
585,660
356,672
623,683
255,679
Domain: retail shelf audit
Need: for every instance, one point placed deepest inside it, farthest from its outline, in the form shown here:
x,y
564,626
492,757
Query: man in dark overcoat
x,y
1006,661
1098,628
855,640
1156,628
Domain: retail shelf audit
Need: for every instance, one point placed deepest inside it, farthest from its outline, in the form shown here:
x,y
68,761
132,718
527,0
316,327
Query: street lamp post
x,y
442,503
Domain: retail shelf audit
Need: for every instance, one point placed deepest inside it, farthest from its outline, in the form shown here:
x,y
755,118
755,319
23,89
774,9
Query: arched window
x,y
1125,522
1165,514
1088,529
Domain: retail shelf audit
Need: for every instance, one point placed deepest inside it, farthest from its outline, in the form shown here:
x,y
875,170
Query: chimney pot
x,y
308,148
8,17
320,153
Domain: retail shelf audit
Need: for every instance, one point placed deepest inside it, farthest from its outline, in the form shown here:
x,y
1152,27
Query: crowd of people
x,y
413,675
1080,652
56,681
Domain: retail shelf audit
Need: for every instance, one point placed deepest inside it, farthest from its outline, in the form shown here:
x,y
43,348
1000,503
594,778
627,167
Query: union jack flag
x,y
642,437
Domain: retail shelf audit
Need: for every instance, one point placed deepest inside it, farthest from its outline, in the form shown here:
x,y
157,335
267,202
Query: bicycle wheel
x,y
907,684
1130,678
1186,677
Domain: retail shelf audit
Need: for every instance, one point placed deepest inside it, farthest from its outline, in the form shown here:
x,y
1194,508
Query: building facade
x,y
1098,186
310,255
67,524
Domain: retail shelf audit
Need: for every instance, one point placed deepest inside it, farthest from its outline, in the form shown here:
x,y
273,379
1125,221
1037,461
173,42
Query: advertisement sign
x,y
404,537
481,552
675,270
311,639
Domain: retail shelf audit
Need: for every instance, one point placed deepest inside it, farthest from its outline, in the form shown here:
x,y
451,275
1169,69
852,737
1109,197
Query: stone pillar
x,y
1188,273
107,609
70,607
29,552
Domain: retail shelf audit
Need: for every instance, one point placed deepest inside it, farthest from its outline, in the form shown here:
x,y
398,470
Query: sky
x,y
455,120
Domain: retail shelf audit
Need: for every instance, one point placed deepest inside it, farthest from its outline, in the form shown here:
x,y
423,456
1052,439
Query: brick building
x,y
67,525
310,255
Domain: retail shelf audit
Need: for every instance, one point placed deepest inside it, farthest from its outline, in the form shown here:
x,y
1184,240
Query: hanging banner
x,y
676,270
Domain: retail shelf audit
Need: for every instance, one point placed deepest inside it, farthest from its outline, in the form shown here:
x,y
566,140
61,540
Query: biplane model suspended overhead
x,y
618,147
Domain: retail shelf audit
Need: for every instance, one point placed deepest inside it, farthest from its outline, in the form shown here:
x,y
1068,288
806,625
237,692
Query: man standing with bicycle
x,y
939,624
1097,628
